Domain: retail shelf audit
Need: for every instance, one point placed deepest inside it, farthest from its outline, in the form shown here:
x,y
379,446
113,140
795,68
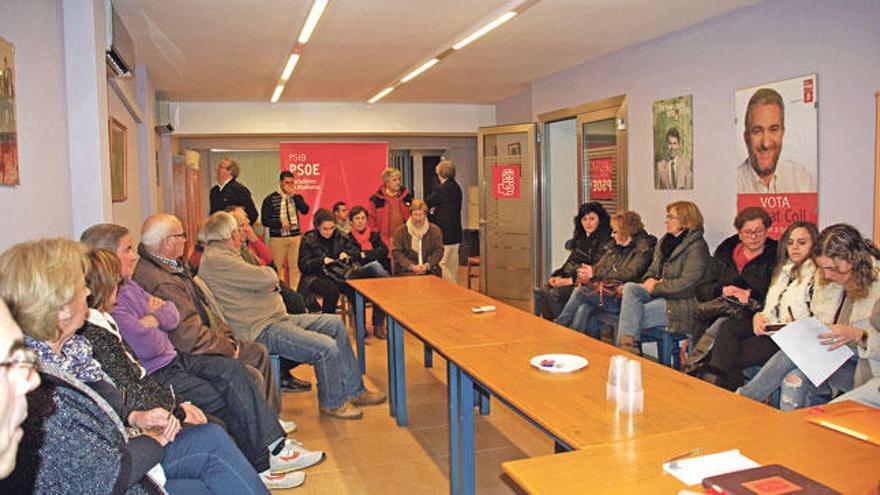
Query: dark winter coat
x,y
722,271
233,194
445,200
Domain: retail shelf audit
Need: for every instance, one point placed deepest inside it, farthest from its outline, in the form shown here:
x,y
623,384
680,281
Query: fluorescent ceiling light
x,y
312,20
483,30
277,94
427,65
381,94
288,69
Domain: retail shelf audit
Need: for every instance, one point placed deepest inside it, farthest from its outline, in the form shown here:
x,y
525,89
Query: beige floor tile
x,y
347,481
419,476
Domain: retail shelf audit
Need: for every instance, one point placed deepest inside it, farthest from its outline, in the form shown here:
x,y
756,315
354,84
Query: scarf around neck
x,y
75,358
363,238
285,214
417,233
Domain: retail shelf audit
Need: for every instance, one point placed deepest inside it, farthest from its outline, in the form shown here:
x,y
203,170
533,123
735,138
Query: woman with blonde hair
x,y
75,434
417,245
666,296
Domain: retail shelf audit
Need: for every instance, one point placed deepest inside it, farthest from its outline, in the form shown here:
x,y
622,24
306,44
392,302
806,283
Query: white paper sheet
x,y
800,342
692,471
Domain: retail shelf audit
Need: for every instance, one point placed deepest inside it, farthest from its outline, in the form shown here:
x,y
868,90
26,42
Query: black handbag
x,y
726,306
339,271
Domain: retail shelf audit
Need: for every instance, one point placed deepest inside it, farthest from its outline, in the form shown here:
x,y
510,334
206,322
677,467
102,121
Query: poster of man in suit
x,y
673,145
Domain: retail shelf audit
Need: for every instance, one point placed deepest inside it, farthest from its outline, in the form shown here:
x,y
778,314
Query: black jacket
x,y
445,200
312,251
626,263
378,253
584,250
233,194
756,275
271,213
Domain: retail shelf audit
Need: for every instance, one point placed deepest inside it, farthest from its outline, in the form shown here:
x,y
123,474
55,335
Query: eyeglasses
x,y
752,233
23,362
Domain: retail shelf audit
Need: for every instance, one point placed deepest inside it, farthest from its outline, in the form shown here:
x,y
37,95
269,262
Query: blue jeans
x,y
203,459
322,341
797,391
583,304
639,310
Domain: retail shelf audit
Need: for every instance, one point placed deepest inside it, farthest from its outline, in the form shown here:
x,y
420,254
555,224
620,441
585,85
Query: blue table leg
x,y
429,356
360,330
392,385
466,385
400,375
452,376
484,403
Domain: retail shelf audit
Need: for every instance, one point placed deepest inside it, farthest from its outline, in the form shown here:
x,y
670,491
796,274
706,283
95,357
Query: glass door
x,y
602,157
508,225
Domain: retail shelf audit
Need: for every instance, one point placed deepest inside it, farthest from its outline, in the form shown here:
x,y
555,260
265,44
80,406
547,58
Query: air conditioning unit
x,y
167,117
120,47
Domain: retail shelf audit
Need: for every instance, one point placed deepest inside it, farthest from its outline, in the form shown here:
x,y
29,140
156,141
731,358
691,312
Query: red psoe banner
x,y
506,181
600,176
329,172
784,208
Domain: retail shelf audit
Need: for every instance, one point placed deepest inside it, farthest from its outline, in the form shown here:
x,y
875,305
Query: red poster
x,y
600,174
505,181
784,208
330,172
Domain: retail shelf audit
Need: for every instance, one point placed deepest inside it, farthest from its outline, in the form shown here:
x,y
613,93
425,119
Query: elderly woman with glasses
x,y
76,434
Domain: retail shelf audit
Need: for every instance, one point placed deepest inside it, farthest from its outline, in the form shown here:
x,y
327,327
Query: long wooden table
x,y
844,463
491,352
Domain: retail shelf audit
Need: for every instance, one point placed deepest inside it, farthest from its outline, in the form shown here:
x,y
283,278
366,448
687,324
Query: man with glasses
x,y
229,192
280,212
17,378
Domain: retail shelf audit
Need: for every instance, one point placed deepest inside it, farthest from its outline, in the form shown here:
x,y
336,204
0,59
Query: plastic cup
x,y
631,395
632,376
616,368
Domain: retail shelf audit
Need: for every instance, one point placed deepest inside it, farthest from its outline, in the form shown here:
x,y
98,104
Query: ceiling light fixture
x,y
427,65
381,94
312,21
288,69
483,30
277,94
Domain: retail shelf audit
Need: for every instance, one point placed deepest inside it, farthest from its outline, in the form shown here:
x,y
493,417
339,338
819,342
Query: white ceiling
x,y
234,50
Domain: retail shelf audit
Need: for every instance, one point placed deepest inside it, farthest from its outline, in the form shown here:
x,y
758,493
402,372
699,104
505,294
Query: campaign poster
x,y
8,134
329,172
506,181
601,170
673,143
777,150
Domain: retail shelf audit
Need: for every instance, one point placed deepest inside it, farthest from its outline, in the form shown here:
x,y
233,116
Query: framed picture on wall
x,y
514,149
8,134
673,143
118,165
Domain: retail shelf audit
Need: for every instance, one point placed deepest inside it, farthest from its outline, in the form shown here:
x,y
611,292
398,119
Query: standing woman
x,y
844,297
280,213
743,342
445,206
417,245
592,231
666,297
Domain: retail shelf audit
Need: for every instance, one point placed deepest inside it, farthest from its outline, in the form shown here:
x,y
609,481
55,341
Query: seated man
x,y
220,386
249,298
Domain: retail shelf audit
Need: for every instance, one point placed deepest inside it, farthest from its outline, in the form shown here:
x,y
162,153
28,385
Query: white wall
x,y
770,41
561,204
128,213
291,118
40,206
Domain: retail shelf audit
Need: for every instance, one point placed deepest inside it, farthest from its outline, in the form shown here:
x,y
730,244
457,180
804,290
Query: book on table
x,y
766,480
859,421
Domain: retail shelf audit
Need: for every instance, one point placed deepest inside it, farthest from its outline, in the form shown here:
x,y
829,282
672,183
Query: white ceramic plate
x,y
558,363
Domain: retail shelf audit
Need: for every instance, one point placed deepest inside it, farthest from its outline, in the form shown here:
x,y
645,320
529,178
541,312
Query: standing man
x,y
229,192
445,205
675,171
389,206
763,171
340,218
280,213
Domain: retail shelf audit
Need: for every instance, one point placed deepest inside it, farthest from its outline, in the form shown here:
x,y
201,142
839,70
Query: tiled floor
x,y
374,455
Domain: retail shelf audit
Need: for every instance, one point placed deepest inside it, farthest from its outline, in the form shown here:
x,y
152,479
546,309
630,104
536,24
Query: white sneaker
x,y
288,426
282,481
294,457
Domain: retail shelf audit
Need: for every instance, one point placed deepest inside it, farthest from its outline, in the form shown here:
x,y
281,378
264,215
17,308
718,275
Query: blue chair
x,y
537,301
602,321
667,345
276,371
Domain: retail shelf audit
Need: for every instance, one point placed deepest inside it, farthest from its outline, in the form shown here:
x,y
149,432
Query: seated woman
x,y
847,288
666,297
592,231
624,260
868,393
322,246
373,250
743,342
417,245
75,435
736,279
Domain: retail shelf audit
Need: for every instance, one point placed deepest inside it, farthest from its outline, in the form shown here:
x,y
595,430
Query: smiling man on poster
x,y
763,171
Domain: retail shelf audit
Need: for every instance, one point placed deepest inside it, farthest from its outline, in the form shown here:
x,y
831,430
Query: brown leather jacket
x,y
199,332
